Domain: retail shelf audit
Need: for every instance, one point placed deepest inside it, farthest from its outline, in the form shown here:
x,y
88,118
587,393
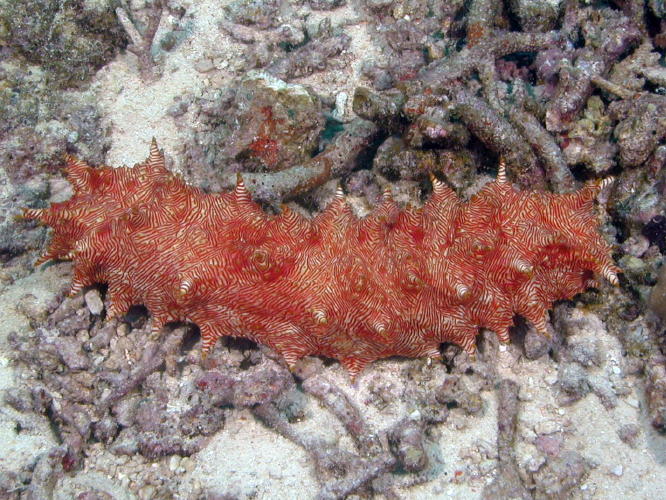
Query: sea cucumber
x,y
397,282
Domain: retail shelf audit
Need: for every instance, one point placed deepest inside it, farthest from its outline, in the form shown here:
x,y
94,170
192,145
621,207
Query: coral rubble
x,y
300,97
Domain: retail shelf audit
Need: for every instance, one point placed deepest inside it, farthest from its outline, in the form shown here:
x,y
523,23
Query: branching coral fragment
x,y
499,135
508,483
142,42
336,160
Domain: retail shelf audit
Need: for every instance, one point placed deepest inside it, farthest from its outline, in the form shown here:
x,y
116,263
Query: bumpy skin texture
x,y
398,282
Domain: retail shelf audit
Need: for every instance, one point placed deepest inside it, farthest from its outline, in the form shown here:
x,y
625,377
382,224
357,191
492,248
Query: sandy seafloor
x,y
249,460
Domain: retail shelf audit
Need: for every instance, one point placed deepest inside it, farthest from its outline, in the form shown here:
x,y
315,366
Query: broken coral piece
x,y
397,282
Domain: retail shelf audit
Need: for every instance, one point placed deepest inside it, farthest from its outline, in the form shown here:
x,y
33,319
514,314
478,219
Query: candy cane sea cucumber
x,y
397,282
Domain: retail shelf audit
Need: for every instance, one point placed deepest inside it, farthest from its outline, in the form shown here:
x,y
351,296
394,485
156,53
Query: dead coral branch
x,y
142,43
508,483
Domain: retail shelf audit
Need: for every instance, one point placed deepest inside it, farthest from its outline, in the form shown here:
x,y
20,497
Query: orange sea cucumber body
x,y
398,282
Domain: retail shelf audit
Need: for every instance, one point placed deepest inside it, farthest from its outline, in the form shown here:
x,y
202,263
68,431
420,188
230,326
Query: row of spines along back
x,y
149,192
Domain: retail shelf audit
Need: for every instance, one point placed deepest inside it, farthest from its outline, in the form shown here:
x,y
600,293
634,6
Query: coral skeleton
x,y
142,43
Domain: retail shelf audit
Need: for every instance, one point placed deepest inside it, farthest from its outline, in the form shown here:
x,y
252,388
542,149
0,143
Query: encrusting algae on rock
x,y
397,282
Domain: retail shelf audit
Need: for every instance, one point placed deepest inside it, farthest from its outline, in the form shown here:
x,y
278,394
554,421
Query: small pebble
x,y
188,464
415,415
525,394
629,433
617,470
147,492
31,308
204,65
550,445
546,427
340,105
536,345
94,301
221,63
6,277
168,41
535,463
